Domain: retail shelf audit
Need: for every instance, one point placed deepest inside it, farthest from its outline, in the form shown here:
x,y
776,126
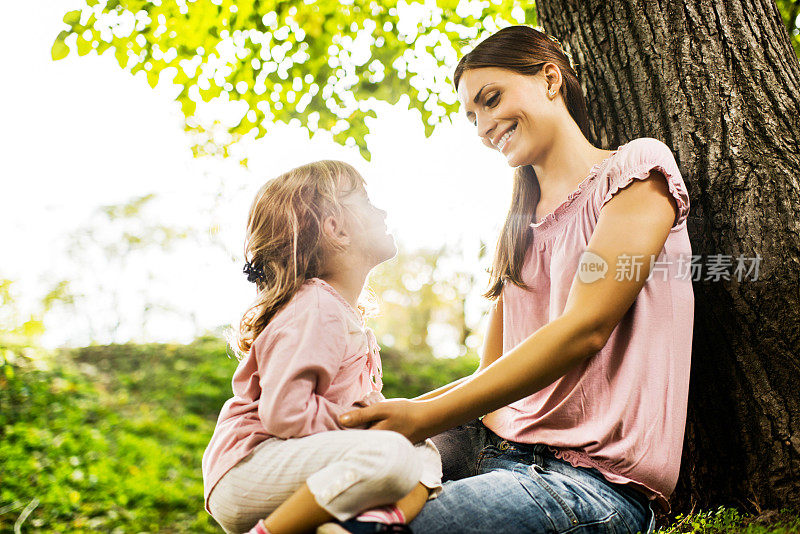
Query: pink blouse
x,y
622,410
310,364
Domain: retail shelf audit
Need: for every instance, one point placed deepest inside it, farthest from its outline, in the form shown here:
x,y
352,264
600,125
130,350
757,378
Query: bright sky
x,y
81,133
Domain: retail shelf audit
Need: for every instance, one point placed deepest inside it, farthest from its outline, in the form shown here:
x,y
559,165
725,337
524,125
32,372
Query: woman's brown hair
x,y
523,50
285,243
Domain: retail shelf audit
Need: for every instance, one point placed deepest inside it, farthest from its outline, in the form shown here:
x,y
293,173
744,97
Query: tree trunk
x,y
719,82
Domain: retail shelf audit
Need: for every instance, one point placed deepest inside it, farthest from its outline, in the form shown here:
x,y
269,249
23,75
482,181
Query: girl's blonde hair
x,y
285,242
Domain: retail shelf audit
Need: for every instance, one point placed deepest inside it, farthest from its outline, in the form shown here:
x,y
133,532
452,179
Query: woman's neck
x,y
565,163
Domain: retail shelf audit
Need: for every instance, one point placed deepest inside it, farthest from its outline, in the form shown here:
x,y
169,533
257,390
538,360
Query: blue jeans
x,y
499,486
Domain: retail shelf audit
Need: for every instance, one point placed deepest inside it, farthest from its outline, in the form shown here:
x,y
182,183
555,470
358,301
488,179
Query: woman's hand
x,y
374,397
410,418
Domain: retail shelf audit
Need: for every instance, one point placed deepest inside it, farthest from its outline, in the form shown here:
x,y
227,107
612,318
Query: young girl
x,y
278,451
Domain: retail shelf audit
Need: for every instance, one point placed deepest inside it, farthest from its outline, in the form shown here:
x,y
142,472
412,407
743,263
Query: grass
x,y
109,438
725,520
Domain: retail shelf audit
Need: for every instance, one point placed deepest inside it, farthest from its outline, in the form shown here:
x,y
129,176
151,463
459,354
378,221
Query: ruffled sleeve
x,y
635,161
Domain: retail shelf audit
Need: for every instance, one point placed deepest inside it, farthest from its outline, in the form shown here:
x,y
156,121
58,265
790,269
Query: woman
x,y
584,373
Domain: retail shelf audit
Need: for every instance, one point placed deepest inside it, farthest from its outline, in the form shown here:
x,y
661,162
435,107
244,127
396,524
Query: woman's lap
x,y
523,489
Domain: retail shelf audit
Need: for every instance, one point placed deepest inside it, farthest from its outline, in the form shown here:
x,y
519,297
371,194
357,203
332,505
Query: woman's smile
x,y
502,143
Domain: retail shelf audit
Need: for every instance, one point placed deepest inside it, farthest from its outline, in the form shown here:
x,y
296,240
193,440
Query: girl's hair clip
x,y
254,274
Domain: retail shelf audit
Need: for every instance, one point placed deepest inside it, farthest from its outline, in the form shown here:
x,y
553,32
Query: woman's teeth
x,y
503,140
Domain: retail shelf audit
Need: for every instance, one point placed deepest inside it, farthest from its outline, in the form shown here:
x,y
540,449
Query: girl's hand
x,y
410,418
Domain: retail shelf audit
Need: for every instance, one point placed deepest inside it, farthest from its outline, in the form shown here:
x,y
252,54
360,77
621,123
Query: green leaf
x,y
60,49
188,106
122,56
73,17
531,16
152,78
84,46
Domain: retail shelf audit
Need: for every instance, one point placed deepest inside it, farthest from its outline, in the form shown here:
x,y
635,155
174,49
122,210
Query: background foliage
x,y
423,299
314,64
319,65
110,438
790,11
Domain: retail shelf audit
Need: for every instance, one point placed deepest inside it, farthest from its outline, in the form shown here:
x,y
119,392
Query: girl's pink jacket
x,y
312,362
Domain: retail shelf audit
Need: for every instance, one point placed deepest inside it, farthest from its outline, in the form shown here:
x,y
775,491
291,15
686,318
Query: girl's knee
x,y
393,461
236,523
392,448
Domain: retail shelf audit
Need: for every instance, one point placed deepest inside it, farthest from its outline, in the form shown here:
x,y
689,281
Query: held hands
x,y
407,417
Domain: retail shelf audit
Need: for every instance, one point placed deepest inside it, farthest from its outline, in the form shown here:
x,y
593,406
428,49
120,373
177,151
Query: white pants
x,y
347,471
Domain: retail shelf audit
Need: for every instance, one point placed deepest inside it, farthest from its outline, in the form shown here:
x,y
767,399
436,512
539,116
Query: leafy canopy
x,y
790,12
320,64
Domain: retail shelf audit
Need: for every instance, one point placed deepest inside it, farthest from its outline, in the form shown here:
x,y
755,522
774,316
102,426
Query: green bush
x,y
729,521
408,376
110,438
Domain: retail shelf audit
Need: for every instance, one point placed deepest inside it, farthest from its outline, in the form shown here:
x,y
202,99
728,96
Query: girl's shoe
x,y
351,526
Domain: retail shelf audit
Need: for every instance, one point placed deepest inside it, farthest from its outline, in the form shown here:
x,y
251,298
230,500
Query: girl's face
x,y
366,224
512,112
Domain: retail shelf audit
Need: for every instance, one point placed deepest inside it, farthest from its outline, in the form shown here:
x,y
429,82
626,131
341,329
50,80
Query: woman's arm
x,y
636,222
493,343
536,362
492,349
439,391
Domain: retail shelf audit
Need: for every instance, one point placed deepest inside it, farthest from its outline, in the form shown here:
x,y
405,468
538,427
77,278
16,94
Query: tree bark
x,y
719,82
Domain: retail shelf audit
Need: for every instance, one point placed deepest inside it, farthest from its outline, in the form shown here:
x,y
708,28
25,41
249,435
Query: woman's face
x,y
513,112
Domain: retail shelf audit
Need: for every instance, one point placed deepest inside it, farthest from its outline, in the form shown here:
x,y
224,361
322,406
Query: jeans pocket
x,y
632,507
584,505
536,471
